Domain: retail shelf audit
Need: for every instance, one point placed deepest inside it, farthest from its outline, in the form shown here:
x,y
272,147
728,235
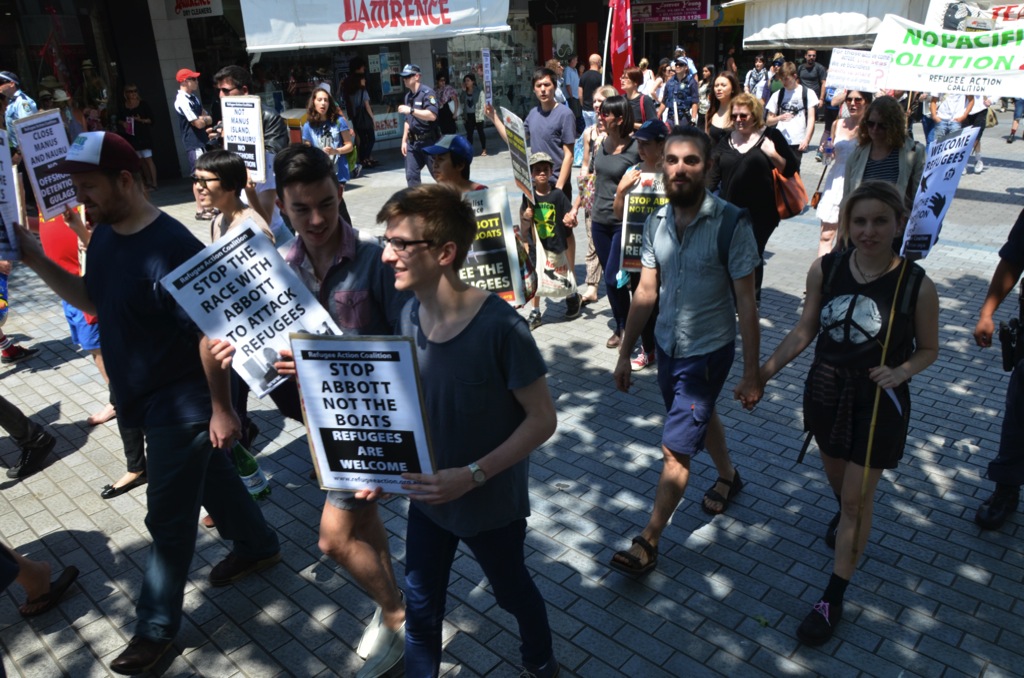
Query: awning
x,y
819,24
274,25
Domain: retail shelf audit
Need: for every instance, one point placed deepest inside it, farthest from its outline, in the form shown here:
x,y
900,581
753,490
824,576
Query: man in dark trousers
x,y
420,129
167,381
1007,469
589,82
681,95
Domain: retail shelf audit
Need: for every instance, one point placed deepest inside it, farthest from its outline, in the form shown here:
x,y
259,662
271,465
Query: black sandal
x,y
632,565
735,485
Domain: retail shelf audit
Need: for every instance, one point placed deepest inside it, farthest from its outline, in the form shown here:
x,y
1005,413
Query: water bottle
x,y
253,477
829,149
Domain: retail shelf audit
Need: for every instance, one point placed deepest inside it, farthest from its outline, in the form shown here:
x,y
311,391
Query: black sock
x,y
836,590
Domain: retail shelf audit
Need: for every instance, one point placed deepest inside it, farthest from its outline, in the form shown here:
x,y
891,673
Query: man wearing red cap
x,y
167,382
193,119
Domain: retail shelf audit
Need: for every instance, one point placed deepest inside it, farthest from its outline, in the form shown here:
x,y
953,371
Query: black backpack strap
x,y
830,265
730,218
806,112
911,288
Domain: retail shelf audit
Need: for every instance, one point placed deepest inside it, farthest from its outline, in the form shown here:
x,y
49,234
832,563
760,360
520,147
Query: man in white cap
x,y
193,119
420,129
167,382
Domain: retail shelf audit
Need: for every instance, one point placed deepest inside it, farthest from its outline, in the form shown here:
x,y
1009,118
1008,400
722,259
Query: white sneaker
x,y
388,649
979,166
370,634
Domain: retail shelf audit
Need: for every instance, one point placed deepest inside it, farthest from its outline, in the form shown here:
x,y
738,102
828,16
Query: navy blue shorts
x,y
690,387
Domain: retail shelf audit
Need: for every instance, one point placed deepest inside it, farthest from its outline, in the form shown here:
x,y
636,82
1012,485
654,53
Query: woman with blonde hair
x,y
875,316
845,139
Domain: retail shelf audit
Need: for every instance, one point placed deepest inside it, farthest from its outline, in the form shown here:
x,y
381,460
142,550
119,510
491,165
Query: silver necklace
x,y
869,278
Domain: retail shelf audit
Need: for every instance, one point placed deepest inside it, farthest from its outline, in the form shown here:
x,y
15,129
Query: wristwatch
x,y
479,477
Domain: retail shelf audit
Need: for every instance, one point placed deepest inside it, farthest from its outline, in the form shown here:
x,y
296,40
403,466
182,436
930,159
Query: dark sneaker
x,y
534,319
819,624
234,568
833,527
33,455
573,305
549,669
994,511
140,656
16,354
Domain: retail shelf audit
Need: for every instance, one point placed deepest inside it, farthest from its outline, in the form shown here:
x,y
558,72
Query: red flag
x,y
621,40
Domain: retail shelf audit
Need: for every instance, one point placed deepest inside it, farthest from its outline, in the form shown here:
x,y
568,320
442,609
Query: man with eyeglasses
x,y
420,128
193,120
346,274
167,381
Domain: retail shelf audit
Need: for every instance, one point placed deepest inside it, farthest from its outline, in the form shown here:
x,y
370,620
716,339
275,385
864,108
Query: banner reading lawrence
x,y
362,403
240,289
928,59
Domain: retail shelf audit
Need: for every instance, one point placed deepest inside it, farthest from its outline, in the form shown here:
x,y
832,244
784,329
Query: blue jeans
x,y
607,244
945,129
185,471
430,550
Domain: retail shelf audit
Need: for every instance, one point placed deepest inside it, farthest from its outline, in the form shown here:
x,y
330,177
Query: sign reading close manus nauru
x,y
641,202
44,143
926,59
363,408
240,289
493,260
243,133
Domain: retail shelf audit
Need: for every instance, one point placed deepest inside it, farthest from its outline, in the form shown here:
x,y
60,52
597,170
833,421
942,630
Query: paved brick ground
x,y
934,596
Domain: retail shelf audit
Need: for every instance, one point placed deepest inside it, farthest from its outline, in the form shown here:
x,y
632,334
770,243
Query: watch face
x,y
479,476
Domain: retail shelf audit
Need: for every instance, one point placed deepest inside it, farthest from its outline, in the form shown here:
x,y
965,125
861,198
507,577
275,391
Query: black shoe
x,y
830,533
994,511
819,624
15,354
249,434
233,568
1010,139
109,491
33,455
572,306
141,655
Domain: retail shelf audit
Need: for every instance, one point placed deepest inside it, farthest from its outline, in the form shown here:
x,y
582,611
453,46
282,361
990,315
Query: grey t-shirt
x,y
608,171
470,409
549,132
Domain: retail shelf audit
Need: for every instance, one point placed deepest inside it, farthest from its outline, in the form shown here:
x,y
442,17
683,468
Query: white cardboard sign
x,y
44,143
243,133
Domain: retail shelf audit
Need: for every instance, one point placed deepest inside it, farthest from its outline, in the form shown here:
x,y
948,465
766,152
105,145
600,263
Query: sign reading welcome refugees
x,y
240,289
44,143
243,133
363,408
493,260
926,59
643,201
943,167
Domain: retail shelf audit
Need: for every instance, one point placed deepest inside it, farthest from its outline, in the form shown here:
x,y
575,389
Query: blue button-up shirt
x,y
20,106
696,313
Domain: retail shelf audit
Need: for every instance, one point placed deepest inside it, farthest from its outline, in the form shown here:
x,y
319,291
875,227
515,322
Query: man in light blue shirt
x,y
19,105
571,82
695,331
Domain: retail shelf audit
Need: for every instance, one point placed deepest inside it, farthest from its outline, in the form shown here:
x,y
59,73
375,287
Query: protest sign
x,y
44,143
8,204
643,201
928,59
519,152
943,167
852,69
488,85
363,408
240,289
243,133
7,190
493,260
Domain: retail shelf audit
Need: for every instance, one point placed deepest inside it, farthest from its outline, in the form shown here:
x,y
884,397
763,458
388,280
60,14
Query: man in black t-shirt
x,y
813,75
589,82
1007,469
168,382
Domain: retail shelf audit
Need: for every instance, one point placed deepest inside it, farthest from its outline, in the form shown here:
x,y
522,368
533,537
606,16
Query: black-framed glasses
x,y
399,244
202,181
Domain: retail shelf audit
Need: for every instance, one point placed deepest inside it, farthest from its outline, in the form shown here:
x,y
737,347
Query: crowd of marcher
x,y
714,140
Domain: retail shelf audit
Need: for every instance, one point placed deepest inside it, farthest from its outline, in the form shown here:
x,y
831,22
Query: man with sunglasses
x,y
421,128
193,120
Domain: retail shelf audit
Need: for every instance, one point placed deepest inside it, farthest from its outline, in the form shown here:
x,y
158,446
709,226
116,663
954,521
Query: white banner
x,y
943,168
966,16
362,403
240,289
44,143
243,133
851,69
293,24
960,62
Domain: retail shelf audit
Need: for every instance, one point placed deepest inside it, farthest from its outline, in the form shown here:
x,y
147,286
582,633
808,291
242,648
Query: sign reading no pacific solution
x,y
243,133
928,59
363,408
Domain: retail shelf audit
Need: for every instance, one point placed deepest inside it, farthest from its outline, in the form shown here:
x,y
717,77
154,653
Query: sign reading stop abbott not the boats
x,y
363,407
493,260
240,289
519,153
243,133
643,201
44,143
